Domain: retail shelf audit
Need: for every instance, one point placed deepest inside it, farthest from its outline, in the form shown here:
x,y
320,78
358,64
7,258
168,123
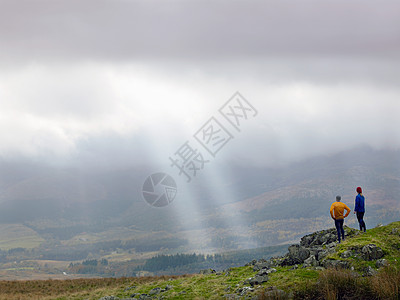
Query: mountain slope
x,y
281,279
248,207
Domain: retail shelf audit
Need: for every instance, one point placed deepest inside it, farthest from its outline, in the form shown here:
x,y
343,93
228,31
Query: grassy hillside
x,y
68,215
302,283
18,236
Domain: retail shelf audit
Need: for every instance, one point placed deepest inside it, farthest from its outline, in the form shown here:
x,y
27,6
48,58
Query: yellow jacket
x,y
337,210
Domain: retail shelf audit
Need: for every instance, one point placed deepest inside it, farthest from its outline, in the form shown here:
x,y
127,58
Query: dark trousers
x,y
360,218
339,227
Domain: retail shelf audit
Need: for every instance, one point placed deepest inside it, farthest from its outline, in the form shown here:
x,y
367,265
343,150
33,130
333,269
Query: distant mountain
x,y
247,207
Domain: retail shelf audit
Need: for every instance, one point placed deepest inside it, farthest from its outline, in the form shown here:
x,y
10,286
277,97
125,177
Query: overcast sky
x,y
124,82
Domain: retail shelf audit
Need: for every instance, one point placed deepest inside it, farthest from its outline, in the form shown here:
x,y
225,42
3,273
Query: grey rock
x,y
109,298
381,263
323,254
323,237
252,263
346,254
129,288
371,252
295,267
272,270
333,236
315,251
306,240
311,262
261,265
336,264
276,262
298,253
395,231
319,268
262,272
207,272
247,281
370,271
244,291
258,280
155,291
331,245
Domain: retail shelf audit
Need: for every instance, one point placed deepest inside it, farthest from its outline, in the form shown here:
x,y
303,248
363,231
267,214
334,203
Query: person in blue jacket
x,y
360,209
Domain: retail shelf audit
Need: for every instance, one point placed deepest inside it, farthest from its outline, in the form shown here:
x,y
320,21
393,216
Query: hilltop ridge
x,y
362,258
366,263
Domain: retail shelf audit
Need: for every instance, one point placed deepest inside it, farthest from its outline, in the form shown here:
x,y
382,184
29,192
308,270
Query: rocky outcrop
x,y
297,255
319,238
371,252
311,252
261,264
335,264
258,279
314,249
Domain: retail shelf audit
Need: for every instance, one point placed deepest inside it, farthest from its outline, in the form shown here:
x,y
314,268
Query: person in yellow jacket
x,y
337,211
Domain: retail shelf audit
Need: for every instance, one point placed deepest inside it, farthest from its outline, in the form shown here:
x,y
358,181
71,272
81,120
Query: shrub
x,y
387,283
337,284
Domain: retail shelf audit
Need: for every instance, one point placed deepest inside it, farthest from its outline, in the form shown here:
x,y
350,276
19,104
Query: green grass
x,y
18,236
287,279
381,237
213,286
197,286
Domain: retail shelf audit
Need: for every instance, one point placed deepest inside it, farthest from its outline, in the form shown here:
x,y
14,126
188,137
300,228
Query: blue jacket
x,y
360,203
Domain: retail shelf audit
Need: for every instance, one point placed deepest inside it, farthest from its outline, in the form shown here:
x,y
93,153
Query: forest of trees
x,y
56,251
175,264
91,266
164,262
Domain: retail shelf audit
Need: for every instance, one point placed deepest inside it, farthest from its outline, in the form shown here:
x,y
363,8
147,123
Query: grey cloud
x,y
119,30
264,49
57,92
